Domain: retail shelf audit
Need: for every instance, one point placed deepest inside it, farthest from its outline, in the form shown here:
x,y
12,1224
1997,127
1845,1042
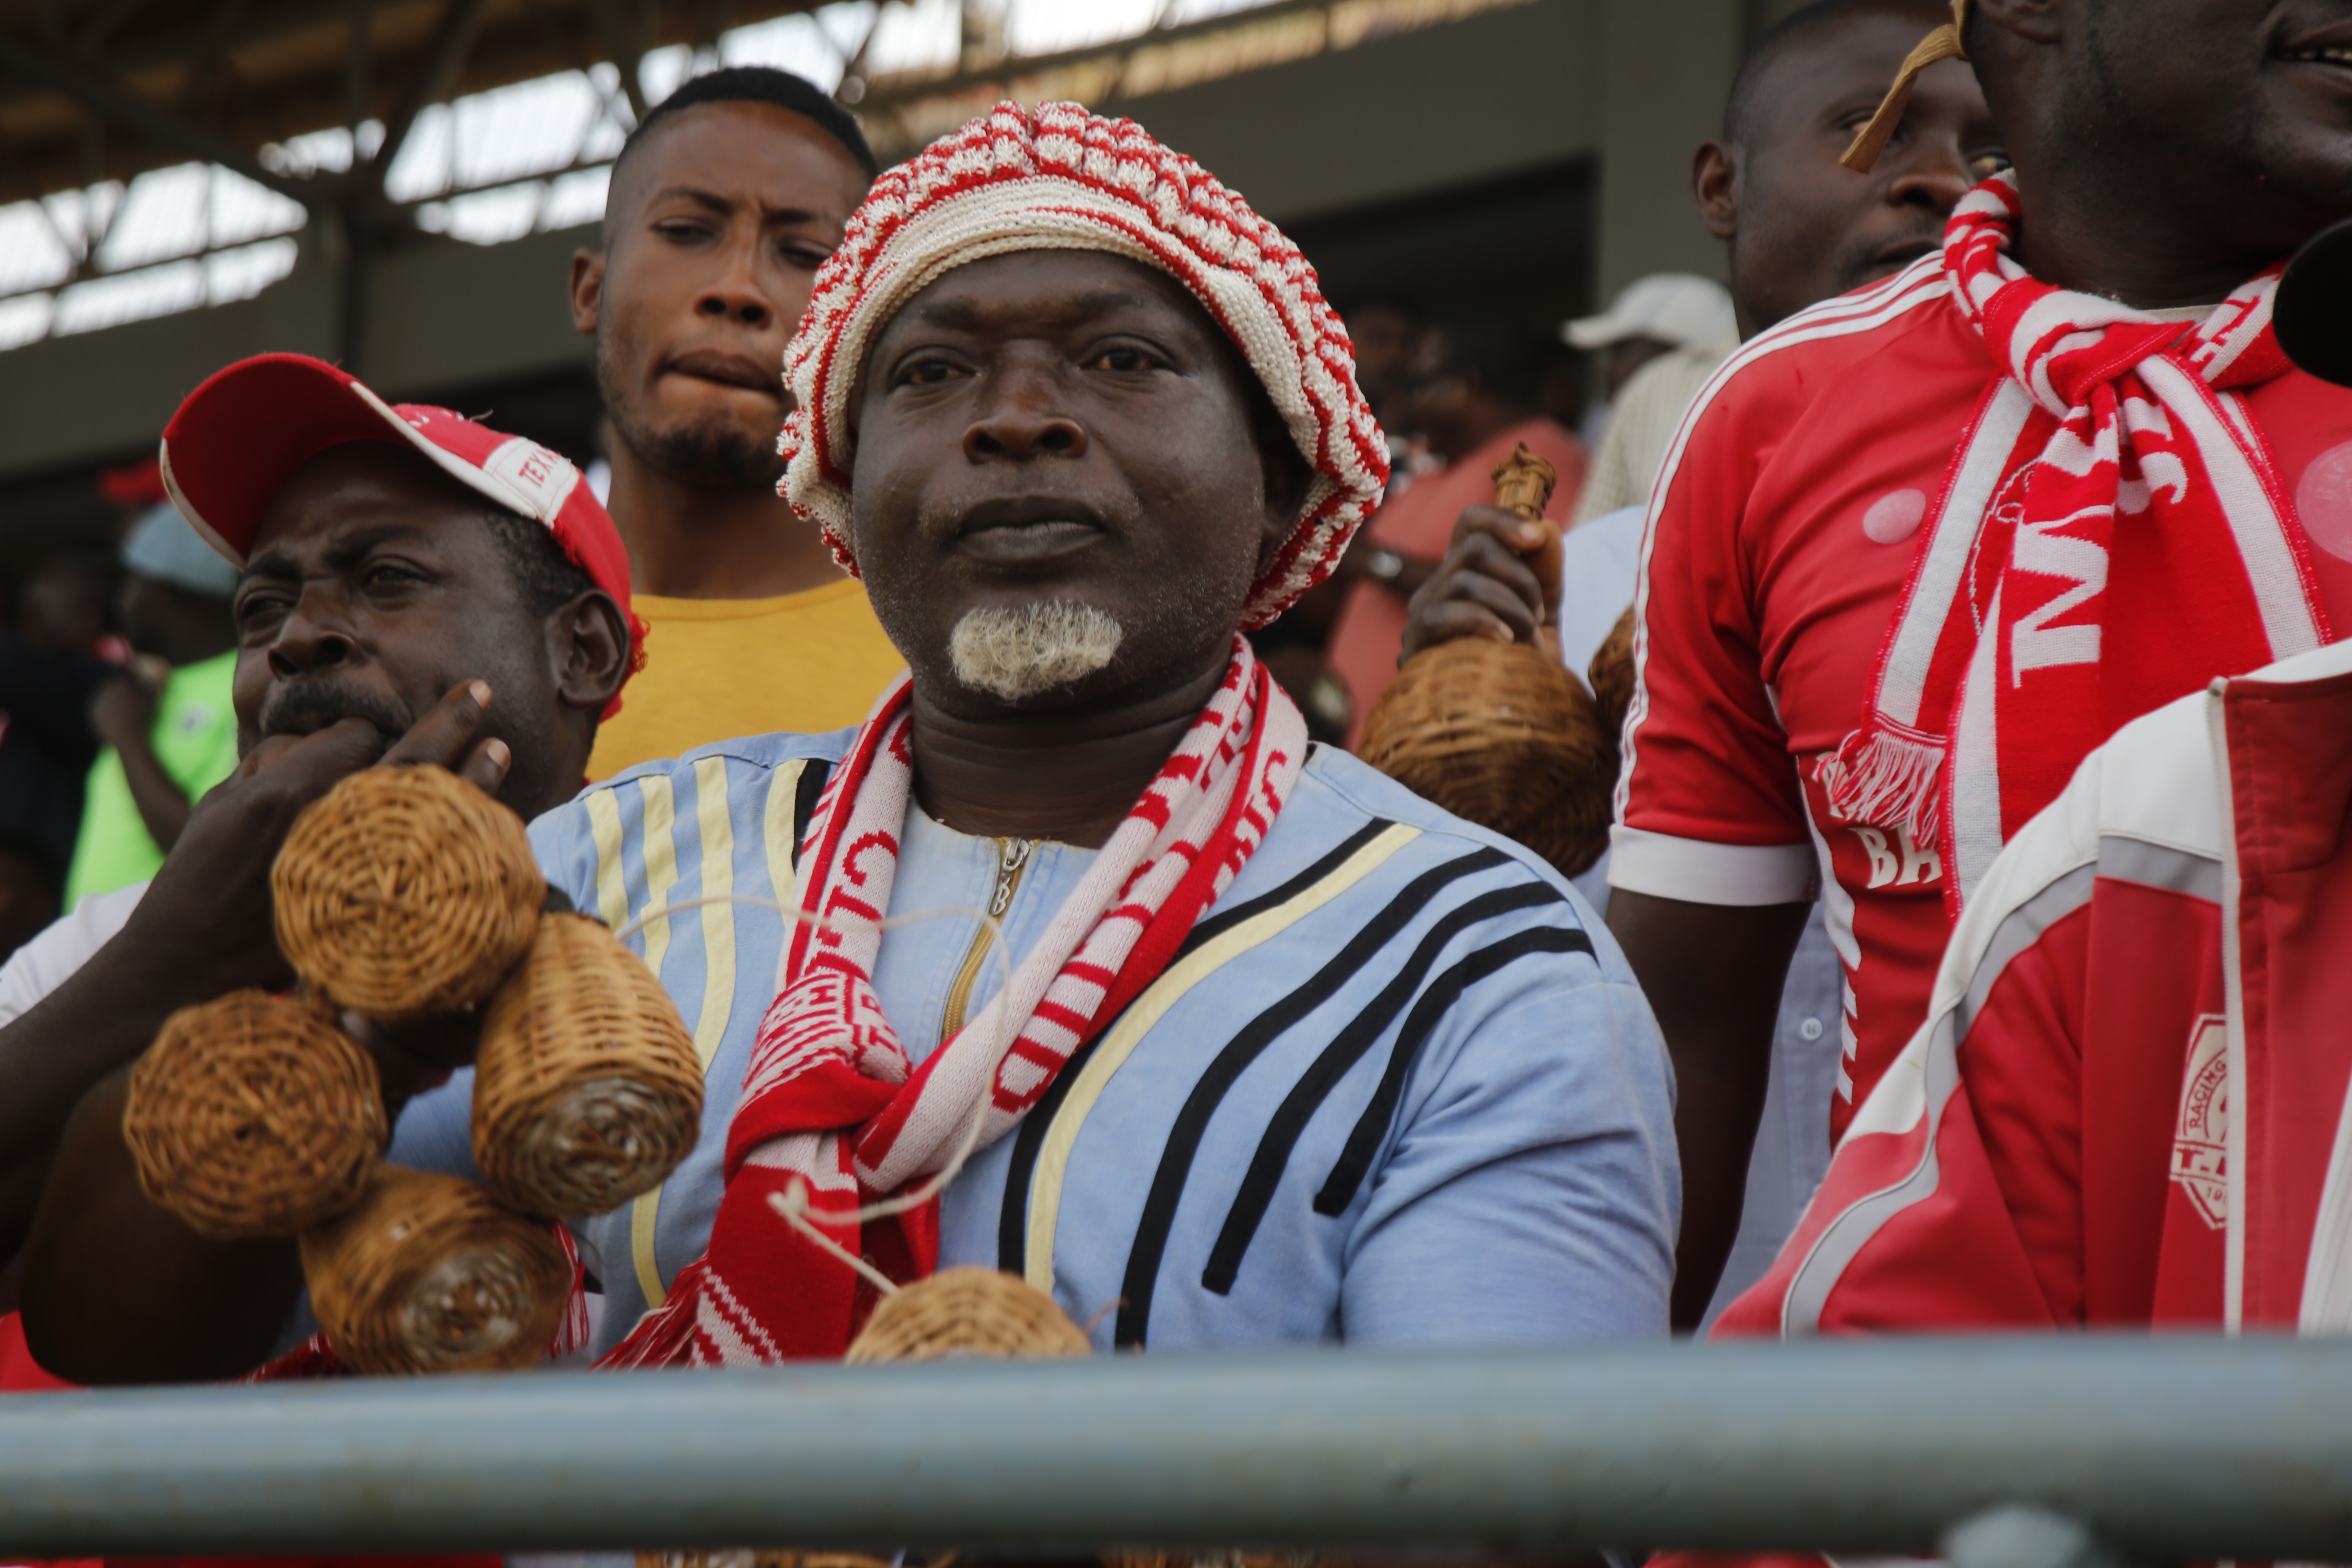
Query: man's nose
x,y
1934,177
735,294
314,636
1019,417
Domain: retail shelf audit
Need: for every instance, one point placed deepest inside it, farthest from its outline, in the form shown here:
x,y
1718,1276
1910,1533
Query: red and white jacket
x,y
2129,1105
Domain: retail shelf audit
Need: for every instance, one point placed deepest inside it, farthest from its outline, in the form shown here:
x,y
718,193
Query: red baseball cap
x,y
237,438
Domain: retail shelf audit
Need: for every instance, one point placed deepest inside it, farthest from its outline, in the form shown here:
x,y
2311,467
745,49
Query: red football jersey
x,y
1781,536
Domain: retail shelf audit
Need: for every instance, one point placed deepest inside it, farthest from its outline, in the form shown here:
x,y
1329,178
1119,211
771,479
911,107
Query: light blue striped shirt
x,y
1398,1087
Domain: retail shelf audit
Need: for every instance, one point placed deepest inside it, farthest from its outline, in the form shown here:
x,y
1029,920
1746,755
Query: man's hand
x,y
1485,588
209,909
123,711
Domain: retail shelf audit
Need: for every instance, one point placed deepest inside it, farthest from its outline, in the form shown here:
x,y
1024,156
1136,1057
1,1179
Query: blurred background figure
x,y
54,660
165,722
1658,342
1474,391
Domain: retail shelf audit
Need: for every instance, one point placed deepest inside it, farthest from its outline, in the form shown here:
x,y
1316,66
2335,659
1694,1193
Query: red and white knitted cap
x,y
1058,178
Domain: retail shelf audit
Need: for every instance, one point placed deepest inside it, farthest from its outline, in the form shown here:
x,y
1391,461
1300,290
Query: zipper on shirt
x,y
1012,859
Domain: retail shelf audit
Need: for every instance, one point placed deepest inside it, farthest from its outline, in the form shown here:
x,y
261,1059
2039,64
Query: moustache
x,y
306,707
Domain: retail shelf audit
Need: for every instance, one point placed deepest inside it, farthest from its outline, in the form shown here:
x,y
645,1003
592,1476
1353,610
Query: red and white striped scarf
x,y
2112,535
831,1104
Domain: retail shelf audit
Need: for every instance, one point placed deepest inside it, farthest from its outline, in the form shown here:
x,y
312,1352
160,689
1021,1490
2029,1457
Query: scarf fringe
x,y
1885,776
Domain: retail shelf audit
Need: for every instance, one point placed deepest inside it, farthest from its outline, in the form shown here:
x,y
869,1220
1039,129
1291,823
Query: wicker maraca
x,y
1501,733
587,1090
967,1312
429,1274
253,1115
955,1312
405,892
1612,679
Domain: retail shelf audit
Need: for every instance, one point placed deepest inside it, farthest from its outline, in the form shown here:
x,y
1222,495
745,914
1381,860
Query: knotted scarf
x,y
2112,535
832,1105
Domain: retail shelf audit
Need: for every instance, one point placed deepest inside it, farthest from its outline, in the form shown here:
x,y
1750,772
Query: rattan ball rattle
x,y
253,1115
1611,677
404,892
428,1274
1501,733
587,1090
967,1312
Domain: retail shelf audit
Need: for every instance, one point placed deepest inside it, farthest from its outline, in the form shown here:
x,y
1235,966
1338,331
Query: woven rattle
x,y
956,1312
428,1274
253,1115
587,1090
1502,734
967,1312
1611,677
405,892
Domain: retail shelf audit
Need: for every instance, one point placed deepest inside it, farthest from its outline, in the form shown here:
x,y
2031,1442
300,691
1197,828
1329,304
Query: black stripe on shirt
x,y
1356,1158
1012,1220
1218,924
1192,1123
1348,1048
812,784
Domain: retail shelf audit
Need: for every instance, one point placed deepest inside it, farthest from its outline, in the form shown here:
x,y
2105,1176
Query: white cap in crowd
x,y
1678,308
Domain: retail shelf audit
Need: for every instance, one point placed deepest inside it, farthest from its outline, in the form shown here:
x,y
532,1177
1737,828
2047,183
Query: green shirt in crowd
x,y
195,740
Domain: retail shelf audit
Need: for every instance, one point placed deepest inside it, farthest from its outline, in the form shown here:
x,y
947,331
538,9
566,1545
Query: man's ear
x,y
587,289
1288,478
588,648
1715,187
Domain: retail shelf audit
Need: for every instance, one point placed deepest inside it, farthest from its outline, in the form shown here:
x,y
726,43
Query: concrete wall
x,y
1399,117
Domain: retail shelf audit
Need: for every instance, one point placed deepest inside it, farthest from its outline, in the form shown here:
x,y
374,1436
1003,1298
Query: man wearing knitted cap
x,y
1921,548
1270,1050
1095,973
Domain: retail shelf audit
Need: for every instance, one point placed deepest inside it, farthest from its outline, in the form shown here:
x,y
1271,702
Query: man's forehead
x,y
1051,289
741,151
1852,56
359,485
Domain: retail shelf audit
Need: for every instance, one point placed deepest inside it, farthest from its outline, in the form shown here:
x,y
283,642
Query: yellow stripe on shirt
x,y
1062,1135
718,866
612,887
660,841
661,838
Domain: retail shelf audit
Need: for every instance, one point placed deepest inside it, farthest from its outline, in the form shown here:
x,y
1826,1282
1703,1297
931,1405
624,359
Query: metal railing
x,y
2004,1452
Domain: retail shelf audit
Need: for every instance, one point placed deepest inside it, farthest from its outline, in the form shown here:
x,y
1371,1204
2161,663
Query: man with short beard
x,y
723,204
1271,1051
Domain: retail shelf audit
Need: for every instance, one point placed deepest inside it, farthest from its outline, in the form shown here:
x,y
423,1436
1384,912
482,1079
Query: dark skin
x,y
1062,425
714,228
2169,150
169,626
379,625
1800,229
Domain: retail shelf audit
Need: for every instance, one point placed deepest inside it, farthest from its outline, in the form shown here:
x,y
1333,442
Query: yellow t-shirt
x,y
715,668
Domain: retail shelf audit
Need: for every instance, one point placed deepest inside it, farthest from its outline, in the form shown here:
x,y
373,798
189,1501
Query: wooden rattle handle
x,y
1523,484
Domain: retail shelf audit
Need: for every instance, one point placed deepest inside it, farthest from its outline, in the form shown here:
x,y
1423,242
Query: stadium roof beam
x,y
101,96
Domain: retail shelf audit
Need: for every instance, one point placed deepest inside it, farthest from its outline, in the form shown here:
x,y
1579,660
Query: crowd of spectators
x,y
1979,477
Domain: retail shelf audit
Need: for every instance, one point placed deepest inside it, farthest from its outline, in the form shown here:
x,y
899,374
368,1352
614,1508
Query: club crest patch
x,y
2201,1143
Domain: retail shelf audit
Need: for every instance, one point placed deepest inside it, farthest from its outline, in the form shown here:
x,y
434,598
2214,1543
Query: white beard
x,y
1014,653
